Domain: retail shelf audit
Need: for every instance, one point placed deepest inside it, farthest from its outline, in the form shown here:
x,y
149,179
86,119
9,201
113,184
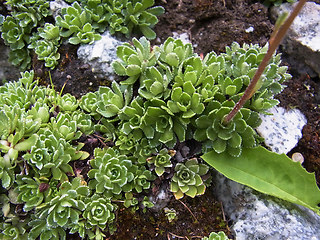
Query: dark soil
x,y
213,25
71,75
195,218
303,93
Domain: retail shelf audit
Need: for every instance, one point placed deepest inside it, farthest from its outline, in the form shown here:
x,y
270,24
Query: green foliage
x,y
182,96
174,52
65,207
61,212
17,28
240,64
6,172
45,44
51,155
82,22
40,229
169,98
99,212
112,174
12,33
170,213
135,59
32,191
14,231
155,84
231,137
76,25
126,16
36,148
187,179
270,173
113,100
269,3
216,236
67,103
161,161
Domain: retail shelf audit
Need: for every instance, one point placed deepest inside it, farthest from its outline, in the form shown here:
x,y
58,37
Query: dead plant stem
x,y
189,210
273,45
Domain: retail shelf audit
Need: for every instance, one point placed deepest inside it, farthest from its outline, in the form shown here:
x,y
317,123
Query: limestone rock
x,y
302,42
56,6
100,55
282,130
257,216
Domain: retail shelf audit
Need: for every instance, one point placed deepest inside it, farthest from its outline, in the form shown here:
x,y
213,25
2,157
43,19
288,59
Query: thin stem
x,y
189,210
274,42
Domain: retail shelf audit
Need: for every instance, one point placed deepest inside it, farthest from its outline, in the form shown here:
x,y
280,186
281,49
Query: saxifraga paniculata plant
x,y
182,96
177,93
269,3
37,147
31,27
216,236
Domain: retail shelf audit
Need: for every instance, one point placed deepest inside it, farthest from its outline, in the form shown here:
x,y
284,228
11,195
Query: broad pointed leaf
x,y
269,173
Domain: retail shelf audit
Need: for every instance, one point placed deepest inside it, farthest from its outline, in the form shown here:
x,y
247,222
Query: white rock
x,y
282,129
302,42
56,6
256,216
100,55
249,30
183,36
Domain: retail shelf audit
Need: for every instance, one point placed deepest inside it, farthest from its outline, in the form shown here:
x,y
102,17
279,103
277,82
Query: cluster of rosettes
x,y
82,22
38,141
17,28
181,96
169,95
113,174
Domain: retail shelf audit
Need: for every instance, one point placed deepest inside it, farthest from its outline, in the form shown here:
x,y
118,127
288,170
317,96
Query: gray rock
x,y
302,42
100,55
8,72
281,130
256,216
56,6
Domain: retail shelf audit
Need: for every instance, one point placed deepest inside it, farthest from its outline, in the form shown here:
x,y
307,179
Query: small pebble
x,y
249,30
297,157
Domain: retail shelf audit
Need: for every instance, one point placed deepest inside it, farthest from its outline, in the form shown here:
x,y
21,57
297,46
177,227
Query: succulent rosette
x,y
32,191
12,33
76,23
187,179
161,161
111,172
216,236
174,52
99,212
67,103
50,156
142,179
227,137
64,209
135,60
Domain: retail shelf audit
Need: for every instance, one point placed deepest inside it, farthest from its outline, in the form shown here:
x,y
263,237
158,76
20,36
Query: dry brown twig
x,y
274,42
